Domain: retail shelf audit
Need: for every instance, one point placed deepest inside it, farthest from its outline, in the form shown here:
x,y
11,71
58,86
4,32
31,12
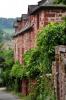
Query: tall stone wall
x,y
27,40
54,15
59,72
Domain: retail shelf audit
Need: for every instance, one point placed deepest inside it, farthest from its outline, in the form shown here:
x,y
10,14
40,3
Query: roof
x,y
48,4
24,17
31,8
40,2
45,4
26,28
15,25
19,19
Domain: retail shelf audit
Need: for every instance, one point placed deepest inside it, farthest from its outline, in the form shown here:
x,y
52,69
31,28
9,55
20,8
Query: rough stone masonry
x,y
59,72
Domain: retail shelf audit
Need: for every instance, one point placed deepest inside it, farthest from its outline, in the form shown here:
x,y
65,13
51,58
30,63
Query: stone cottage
x,y
27,26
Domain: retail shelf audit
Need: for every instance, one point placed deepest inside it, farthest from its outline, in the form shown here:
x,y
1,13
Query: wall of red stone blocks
x,y
47,16
27,40
27,86
22,44
58,72
21,25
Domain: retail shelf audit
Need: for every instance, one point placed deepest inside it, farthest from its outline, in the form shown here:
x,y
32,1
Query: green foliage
x,y
27,56
5,76
40,59
1,35
28,69
60,1
52,35
7,55
64,1
39,62
18,71
43,89
15,70
30,59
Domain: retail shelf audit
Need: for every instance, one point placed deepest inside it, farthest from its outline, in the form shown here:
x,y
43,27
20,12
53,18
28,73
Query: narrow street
x,y
7,96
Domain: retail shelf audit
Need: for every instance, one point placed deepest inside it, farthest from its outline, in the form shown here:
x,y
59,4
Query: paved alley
x,y
7,96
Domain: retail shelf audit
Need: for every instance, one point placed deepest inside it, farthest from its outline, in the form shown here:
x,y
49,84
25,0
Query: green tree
x,y
52,35
60,1
1,35
7,55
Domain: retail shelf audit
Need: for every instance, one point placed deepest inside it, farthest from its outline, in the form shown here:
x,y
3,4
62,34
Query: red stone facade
x,y
26,27
59,72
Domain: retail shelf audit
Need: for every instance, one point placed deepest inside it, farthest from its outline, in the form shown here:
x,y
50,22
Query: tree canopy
x,y
60,1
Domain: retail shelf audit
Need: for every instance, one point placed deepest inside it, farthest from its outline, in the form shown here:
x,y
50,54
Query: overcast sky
x,y
14,8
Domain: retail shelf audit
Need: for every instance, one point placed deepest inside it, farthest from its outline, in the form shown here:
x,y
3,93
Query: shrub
x,y
18,71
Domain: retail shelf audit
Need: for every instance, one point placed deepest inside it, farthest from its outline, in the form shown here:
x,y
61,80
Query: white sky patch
x,y
14,8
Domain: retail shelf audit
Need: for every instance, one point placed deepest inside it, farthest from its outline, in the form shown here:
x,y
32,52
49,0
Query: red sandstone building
x,y
26,27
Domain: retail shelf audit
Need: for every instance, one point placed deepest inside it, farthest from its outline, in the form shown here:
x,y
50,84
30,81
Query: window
x,y
19,54
37,21
22,54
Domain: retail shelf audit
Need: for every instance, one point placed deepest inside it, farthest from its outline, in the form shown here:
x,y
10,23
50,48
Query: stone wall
x,y
53,15
27,40
59,72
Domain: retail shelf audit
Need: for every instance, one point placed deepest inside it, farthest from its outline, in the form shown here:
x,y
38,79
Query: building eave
x,y
48,7
24,17
22,31
19,19
31,8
